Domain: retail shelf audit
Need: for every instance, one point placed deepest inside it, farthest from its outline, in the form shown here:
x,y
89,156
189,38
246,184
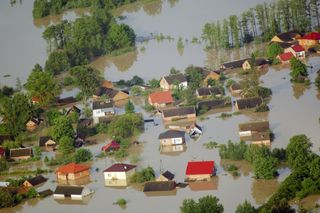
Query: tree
x,y
135,90
265,167
129,107
125,125
37,152
194,77
87,79
42,85
273,50
298,151
16,111
154,83
82,155
40,8
51,115
206,204
246,207
254,152
146,174
57,62
62,127
32,193
66,145
120,36
298,70
233,151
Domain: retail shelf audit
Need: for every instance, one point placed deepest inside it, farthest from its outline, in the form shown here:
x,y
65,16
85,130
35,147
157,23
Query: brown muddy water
x,y
294,109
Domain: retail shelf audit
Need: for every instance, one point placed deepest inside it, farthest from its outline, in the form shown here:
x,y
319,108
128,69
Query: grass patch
x,y
26,172
122,51
211,145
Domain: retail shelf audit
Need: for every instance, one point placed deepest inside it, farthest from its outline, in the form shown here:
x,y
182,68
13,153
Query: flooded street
x,y
293,109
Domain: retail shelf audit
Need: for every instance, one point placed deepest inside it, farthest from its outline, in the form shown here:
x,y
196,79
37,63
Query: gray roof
x,y
171,134
20,152
178,111
249,102
110,93
37,180
102,104
69,190
259,126
211,104
120,167
168,175
204,91
171,79
234,64
159,186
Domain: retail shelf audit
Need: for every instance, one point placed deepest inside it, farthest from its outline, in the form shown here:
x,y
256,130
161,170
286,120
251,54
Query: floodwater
x,y
294,110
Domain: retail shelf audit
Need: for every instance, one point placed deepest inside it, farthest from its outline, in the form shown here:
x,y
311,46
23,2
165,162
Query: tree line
x,y
262,22
42,8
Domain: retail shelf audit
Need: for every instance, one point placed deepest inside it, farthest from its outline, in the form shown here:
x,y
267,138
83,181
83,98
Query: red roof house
x,y
160,99
285,57
310,39
200,170
113,145
72,171
297,50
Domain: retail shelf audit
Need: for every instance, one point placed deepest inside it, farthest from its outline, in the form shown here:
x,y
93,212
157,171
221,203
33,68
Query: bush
x,y
67,81
264,92
207,203
31,193
135,90
3,165
265,167
262,108
246,207
233,151
121,202
6,199
82,155
146,174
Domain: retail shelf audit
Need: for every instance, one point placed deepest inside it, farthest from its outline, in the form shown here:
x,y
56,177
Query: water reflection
x,y
153,8
173,2
212,184
261,190
299,90
80,181
173,150
68,201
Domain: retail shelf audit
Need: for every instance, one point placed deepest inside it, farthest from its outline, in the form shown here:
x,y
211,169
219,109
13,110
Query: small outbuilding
x,y
247,103
156,186
110,147
166,176
21,153
178,113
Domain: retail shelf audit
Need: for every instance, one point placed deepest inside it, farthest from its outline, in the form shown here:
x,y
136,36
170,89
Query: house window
x,y
109,175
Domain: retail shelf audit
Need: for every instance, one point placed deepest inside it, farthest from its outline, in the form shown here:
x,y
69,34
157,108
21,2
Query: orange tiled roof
x,y
161,97
73,168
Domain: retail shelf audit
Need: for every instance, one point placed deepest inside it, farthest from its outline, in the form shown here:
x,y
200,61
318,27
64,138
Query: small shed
x,y
46,141
21,153
166,176
247,103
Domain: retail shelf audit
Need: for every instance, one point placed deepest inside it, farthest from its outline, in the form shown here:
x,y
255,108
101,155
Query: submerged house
x,y
178,113
285,58
310,39
200,170
156,186
166,176
171,81
102,110
209,75
255,132
72,171
172,137
247,103
160,99
297,50
118,174
260,63
72,192
35,181
233,64
287,37
211,104
111,94
21,153
206,92
33,123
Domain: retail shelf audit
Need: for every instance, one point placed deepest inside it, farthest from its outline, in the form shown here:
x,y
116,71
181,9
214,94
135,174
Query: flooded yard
x,y
293,109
